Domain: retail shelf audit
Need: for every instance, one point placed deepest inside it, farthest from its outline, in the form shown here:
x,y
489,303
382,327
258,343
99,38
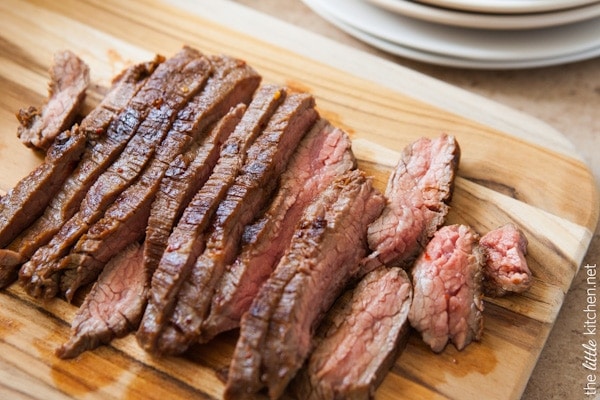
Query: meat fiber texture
x,y
505,269
113,306
359,340
105,140
324,153
330,240
28,199
447,299
41,274
187,240
255,184
417,192
70,77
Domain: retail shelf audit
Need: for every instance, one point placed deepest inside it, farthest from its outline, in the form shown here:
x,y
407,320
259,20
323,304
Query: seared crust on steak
x,y
28,199
266,159
188,238
125,220
418,191
351,357
69,79
505,269
448,299
324,254
185,176
41,274
324,153
105,128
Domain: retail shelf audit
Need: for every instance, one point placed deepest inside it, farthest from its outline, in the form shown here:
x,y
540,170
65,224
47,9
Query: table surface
x,y
567,97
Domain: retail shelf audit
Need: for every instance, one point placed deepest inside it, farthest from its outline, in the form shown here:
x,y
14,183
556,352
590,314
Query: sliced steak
x,y
324,254
351,357
69,79
267,159
505,269
107,128
185,177
187,240
447,299
28,199
124,222
112,308
41,273
417,192
323,154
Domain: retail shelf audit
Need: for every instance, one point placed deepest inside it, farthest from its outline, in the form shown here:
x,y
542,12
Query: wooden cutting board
x,y
531,178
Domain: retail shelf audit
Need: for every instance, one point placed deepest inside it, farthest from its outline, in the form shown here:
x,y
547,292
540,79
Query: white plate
x,y
437,59
508,6
489,21
515,45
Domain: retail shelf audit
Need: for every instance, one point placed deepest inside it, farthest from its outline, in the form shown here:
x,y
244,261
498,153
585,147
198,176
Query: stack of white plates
x,y
486,34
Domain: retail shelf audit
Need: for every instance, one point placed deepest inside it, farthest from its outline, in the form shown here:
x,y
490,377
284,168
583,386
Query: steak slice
x,y
187,240
112,308
253,187
107,128
125,220
351,356
505,269
69,79
447,298
28,199
185,176
41,274
417,192
324,254
323,154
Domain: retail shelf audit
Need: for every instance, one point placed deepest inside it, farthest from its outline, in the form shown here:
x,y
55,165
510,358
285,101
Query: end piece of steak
x,y
417,192
359,339
323,154
69,79
28,199
112,308
324,254
448,299
266,160
41,274
505,269
188,238
105,128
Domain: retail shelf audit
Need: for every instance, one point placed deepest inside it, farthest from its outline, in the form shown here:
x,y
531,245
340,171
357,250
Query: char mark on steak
x,y
113,306
266,160
236,82
351,358
323,256
185,176
187,240
505,269
447,298
41,274
69,79
28,199
323,154
107,128
418,191
125,220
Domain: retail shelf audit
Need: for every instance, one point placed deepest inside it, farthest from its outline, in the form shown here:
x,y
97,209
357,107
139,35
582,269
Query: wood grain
x,y
502,178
